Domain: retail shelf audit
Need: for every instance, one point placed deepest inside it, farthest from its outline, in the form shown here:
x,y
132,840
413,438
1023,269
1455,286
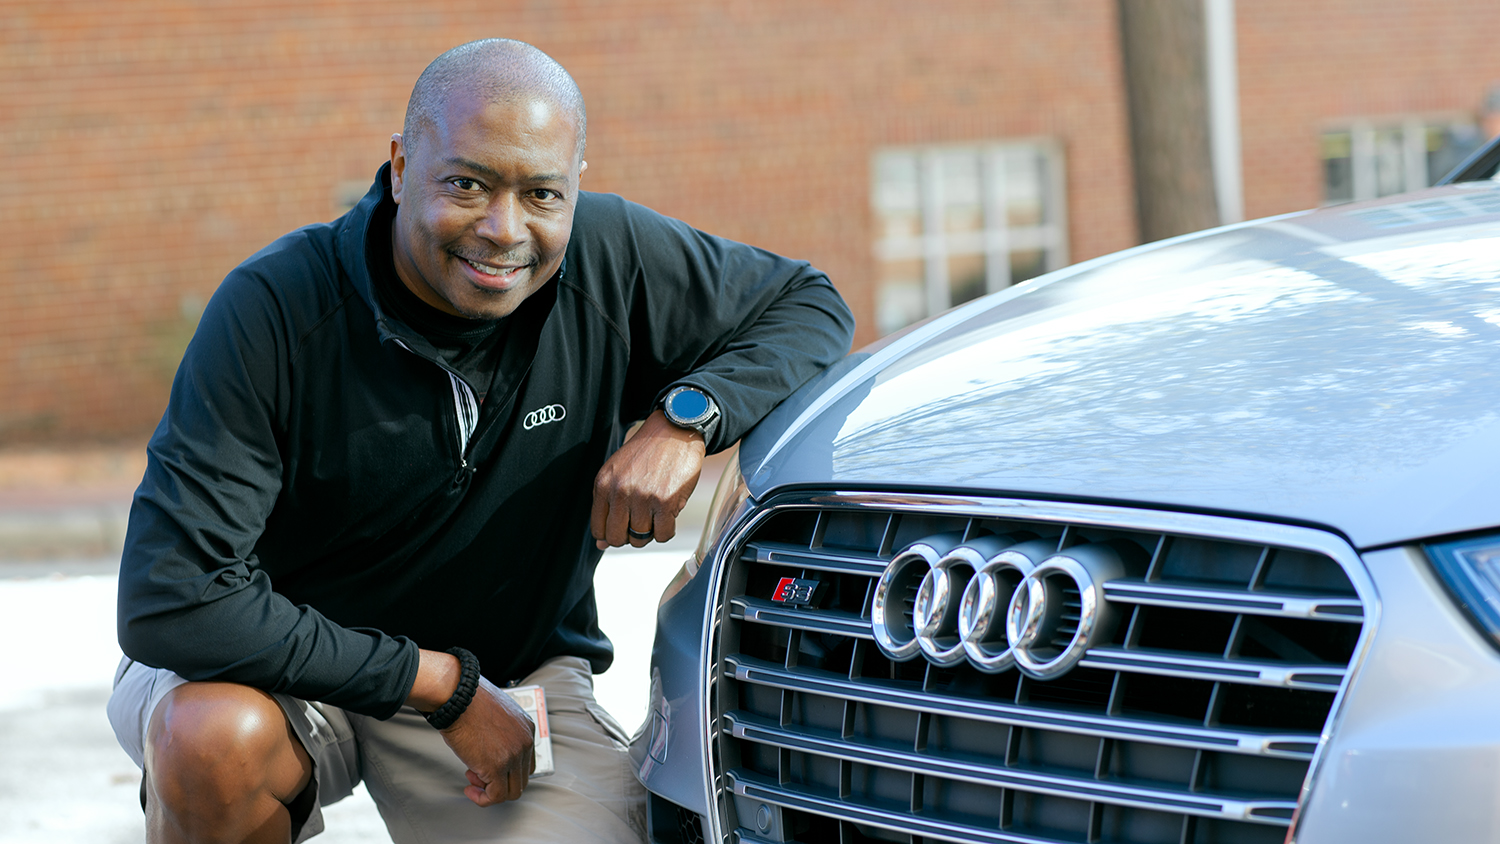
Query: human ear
x,y
398,166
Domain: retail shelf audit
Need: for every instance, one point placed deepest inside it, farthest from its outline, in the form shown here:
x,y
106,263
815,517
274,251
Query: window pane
x,y
1024,179
966,277
1448,146
1338,172
963,212
899,304
1027,264
1390,176
899,297
897,195
1391,157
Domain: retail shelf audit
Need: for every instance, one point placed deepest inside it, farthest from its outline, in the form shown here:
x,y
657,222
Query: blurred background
x,y
922,154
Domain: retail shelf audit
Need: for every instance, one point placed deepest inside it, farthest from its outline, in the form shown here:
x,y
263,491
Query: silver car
x,y
1198,542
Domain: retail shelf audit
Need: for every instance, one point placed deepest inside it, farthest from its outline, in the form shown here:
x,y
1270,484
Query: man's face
x,y
485,203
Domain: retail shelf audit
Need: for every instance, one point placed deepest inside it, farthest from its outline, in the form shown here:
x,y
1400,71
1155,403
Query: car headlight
x,y
729,496
1471,569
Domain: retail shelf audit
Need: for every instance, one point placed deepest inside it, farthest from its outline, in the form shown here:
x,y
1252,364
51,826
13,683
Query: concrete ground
x,y
63,777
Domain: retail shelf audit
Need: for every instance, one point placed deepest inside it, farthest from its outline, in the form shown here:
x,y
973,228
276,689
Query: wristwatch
x,y
691,408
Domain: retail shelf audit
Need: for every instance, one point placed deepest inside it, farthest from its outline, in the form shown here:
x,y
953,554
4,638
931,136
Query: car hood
x,y
1336,368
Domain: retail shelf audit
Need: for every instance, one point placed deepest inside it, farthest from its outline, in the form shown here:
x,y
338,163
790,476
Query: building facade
x,y
921,154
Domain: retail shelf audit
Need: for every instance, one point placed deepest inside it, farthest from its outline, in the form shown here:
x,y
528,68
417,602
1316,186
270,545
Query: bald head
x,y
500,71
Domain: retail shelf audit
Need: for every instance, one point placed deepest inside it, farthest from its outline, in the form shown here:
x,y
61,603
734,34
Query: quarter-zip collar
x,y
354,234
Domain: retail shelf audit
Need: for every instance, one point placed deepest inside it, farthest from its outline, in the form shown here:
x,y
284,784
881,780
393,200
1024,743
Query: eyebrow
x,y
491,174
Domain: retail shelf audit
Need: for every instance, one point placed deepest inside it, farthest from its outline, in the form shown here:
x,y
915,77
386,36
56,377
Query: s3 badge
x,y
795,591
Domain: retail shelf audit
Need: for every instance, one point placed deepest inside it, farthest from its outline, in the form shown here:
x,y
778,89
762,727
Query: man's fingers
x,y
480,794
665,525
504,787
599,515
517,782
501,789
610,516
478,791
642,520
617,522
636,520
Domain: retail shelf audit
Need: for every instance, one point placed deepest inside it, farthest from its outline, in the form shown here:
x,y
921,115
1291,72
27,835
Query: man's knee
x,y
223,743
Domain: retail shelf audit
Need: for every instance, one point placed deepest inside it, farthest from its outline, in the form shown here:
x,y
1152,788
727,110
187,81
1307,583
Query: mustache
x,y
502,259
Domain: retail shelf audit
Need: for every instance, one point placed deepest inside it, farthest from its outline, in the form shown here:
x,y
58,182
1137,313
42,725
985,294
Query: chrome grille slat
x,y
1331,608
749,727
1190,713
822,621
1320,677
1285,675
747,785
748,670
777,553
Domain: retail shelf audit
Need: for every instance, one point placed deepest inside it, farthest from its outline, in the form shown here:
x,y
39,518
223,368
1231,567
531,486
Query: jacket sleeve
x,y
192,597
742,324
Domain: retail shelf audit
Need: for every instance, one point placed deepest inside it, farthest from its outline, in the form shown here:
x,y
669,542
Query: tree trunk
x,y
1165,78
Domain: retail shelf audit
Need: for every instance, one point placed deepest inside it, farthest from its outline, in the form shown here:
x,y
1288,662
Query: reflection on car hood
x,y
1337,368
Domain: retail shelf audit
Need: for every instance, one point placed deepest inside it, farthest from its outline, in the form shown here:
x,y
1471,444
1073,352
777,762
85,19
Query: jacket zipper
x,y
465,405
467,408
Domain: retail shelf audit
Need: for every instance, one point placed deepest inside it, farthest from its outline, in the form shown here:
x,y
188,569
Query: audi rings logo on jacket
x,y
543,415
997,601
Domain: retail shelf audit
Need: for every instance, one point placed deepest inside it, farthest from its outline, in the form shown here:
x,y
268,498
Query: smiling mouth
x,y
497,273
488,270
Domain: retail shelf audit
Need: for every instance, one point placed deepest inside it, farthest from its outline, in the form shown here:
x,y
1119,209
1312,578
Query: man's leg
x,y
594,796
222,764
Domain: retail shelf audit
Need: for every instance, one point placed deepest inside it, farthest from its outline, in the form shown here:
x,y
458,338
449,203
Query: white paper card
x,y
534,700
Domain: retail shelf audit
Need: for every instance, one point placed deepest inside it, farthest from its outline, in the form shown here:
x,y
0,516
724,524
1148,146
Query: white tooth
x,y
484,269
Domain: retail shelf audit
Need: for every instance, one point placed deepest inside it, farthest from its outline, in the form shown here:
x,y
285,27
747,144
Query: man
x,y
391,459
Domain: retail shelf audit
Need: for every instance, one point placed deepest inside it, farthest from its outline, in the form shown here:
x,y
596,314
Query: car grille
x,y
1194,720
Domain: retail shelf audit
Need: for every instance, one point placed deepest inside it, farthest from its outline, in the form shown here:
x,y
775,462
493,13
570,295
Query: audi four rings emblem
x,y
543,415
997,601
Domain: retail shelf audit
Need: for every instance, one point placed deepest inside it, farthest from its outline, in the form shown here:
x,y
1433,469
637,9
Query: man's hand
x,y
644,485
493,736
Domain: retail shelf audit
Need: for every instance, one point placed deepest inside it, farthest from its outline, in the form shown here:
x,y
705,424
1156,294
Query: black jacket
x,y
322,495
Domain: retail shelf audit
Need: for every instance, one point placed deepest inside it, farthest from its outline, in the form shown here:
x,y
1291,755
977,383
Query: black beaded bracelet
x,y
468,682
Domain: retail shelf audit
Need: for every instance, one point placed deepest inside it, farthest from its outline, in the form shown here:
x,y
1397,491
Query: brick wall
x,y
1306,66
152,145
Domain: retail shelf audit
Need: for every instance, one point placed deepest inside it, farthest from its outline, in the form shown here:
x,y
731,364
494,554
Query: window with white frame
x,y
1369,159
956,222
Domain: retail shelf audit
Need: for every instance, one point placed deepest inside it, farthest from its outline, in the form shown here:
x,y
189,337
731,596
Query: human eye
x,y
465,185
547,194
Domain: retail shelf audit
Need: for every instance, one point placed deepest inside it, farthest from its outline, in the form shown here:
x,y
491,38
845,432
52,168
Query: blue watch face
x,y
688,404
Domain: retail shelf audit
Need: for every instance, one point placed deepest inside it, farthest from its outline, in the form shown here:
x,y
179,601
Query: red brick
x,y
153,145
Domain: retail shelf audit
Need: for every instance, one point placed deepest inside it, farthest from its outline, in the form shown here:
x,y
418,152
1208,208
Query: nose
x,y
504,220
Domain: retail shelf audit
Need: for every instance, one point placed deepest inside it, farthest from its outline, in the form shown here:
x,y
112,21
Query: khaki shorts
x,y
418,783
